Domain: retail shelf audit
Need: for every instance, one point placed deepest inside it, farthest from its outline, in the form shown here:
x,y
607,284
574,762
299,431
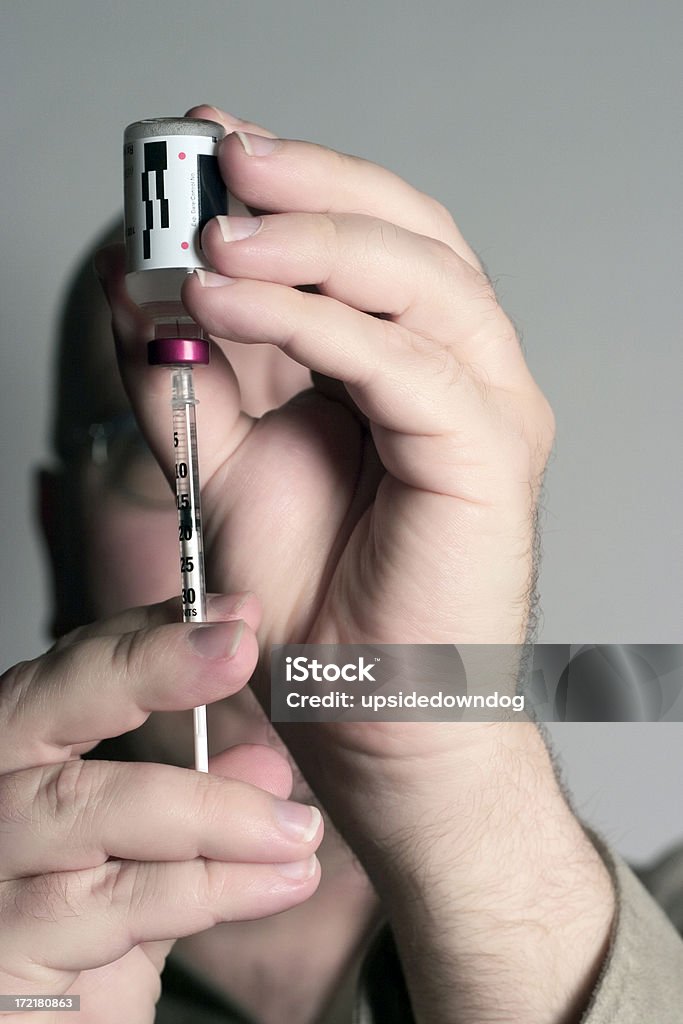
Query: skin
x,y
411,520
130,553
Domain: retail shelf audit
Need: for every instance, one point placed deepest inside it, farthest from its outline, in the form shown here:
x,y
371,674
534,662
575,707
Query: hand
x,y
396,502
406,510
102,864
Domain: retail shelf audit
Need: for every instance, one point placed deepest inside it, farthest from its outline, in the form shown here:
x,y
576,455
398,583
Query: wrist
x,y
431,781
503,900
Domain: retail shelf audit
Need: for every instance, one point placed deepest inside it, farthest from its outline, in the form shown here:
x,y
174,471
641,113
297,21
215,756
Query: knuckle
x,y
547,426
548,418
166,612
541,426
69,791
440,218
327,228
126,654
124,892
535,437
433,353
118,884
449,269
347,165
107,881
446,261
387,236
214,890
14,686
211,797
134,887
131,657
68,640
485,299
134,657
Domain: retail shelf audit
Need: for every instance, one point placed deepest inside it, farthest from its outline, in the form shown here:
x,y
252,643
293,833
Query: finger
x,y
401,381
431,421
257,765
92,810
220,608
230,122
420,283
78,920
134,978
106,686
284,175
333,182
221,423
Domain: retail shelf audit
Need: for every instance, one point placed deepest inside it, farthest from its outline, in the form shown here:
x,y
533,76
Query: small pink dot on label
x,y
181,156
184,245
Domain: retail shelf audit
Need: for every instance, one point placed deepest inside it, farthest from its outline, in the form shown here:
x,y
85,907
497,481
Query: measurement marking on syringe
x,y
188,504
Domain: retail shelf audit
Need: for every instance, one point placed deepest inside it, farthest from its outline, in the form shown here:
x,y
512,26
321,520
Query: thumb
x,y
256,764
221,423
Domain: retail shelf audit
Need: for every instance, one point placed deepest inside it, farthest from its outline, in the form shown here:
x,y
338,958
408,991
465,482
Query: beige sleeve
x,y
642,978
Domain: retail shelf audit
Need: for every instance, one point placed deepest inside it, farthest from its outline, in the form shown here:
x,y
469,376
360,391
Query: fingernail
x,y
209,280
297,821
257,145
216,114
224,115
217,639
298,869
234,228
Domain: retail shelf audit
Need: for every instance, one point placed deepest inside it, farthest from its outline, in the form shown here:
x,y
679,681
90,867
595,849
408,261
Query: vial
x,y
172,188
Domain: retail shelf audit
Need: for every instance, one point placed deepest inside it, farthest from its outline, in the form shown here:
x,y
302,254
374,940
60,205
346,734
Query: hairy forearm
x,y
500,906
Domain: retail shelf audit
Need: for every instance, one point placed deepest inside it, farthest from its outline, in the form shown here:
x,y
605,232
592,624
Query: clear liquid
x,y
157,292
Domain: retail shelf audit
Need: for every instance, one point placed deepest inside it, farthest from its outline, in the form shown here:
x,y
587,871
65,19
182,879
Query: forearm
x,y
500,906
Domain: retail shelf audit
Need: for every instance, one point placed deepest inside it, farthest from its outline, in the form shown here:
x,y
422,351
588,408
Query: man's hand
x,y
104,864
404,507
395,502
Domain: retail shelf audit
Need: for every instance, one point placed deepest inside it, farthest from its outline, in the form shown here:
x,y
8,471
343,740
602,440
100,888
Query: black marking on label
x,y
213,195
156,162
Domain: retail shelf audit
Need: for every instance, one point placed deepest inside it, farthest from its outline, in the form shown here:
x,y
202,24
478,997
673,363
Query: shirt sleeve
x,y
642,976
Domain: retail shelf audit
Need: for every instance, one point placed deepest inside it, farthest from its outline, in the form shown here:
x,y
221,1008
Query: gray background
x,y
548,130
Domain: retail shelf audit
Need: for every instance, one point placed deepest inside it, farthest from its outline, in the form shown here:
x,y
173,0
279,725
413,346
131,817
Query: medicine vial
x,y
172,188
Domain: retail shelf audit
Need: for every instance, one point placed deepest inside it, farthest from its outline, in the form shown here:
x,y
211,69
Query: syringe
x,y
172,188
180,354
188,503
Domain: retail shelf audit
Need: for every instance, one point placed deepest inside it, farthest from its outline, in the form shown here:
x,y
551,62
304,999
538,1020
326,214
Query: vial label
x,y
172,187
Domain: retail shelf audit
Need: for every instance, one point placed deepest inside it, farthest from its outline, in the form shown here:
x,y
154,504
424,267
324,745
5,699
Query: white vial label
x,y
172,187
